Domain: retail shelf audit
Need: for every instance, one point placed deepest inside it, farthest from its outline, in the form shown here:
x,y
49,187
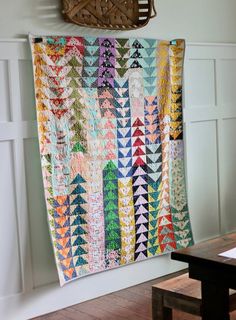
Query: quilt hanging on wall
x,y
110,128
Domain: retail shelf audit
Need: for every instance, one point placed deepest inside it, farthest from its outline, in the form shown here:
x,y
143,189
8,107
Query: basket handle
x,y
153,9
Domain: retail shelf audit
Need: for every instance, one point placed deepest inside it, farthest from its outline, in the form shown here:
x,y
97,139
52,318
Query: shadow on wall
x,y
44,269
47,13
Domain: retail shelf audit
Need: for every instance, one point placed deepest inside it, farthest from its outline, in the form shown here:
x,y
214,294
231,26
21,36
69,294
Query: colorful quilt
x,y
111,142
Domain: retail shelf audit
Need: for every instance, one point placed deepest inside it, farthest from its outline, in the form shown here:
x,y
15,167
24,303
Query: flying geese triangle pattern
x,y
110,129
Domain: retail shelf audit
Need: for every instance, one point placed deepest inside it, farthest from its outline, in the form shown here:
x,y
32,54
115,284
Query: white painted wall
x,y
195,20
28,284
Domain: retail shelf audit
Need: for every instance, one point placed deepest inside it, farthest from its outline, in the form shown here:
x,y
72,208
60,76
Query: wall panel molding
x,y
210,96
210,119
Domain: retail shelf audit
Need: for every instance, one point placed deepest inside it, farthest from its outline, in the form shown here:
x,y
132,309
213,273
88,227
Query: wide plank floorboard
x,y
133,303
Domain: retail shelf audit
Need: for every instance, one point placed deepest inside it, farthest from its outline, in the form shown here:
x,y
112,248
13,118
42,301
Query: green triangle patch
x,y
80,262
79,251
79,220
78,148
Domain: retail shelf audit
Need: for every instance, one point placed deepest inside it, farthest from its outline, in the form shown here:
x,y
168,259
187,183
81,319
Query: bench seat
x,y
181,293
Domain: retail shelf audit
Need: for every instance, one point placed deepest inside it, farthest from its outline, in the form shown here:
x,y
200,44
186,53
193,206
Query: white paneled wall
x,y
28,283
210,120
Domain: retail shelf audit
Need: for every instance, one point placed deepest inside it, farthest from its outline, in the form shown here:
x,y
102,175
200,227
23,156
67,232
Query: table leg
x,y
215,302
159,311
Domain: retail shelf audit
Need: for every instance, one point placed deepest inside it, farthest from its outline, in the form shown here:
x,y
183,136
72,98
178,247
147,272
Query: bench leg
x,y
215,302
159,311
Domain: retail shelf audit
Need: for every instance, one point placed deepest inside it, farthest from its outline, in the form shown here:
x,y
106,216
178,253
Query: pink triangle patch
x,y
141,248
142,229
140,257
140,181
141,238
141,219
139,172
140,191
141,210
140,200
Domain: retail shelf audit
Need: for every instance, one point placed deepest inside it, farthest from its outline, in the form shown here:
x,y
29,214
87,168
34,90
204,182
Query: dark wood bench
x,y
181,293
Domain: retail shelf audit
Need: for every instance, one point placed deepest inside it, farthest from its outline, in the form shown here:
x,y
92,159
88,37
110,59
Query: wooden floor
x,y
133,303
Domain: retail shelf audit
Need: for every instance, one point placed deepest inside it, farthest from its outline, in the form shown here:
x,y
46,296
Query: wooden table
x,y
217,274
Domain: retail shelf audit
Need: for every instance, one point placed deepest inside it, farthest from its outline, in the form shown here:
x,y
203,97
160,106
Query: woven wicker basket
x,y
109,14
